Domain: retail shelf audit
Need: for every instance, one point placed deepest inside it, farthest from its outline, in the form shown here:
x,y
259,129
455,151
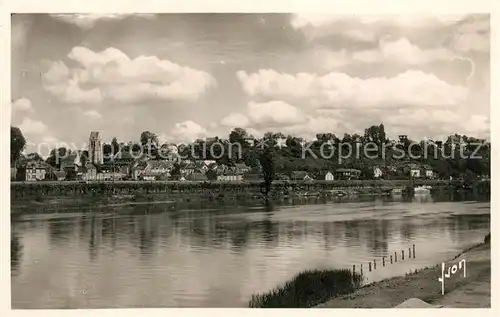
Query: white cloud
x,y
339,90
94,114
22,104
187,131
30,126
303,20
274,113
235,120
87,21
400,51
112,75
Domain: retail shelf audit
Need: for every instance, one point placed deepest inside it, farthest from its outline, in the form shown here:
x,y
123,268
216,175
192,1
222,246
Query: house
x,y
347,173
36,171
95,148
137,169
58,175
428,172
159,167
377,172
150,176
241,168
90,172
415,171
196,177
300,176
230,176
70,163
325,176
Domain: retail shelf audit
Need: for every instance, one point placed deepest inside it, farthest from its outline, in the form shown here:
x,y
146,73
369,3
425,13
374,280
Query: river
x,y
216,256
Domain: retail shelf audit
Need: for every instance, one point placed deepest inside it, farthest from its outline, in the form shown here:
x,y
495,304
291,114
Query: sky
x,y
189,76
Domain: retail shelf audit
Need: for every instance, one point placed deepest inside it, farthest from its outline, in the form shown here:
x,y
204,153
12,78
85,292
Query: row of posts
x,y
410,253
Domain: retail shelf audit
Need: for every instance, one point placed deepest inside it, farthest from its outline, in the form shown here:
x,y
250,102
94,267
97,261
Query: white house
x,y
326,176
377,172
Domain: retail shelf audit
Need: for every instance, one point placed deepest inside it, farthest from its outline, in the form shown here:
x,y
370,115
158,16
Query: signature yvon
x,y
451,270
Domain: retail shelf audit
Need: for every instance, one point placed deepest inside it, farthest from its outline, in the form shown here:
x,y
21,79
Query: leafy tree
x,y
238,135
115,146
17,144
267,161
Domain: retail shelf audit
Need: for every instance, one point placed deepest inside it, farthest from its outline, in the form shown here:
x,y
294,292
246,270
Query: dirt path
x,y
473,291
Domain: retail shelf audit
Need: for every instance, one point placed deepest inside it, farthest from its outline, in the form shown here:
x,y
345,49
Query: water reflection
x,y
159,256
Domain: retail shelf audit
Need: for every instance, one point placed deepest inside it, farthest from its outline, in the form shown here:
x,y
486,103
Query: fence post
x,y
361,268
409,253
390,258
395,257
402,254
383,261
374,264
370,266
414,251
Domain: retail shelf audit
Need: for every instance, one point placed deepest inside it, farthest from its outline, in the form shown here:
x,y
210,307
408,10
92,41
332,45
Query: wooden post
x,y
370,266
413,251
402,254
383,261
390,258
395,257
409,253
361,268
353,269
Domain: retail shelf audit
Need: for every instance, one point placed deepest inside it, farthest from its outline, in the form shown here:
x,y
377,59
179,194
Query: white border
x,y
150,6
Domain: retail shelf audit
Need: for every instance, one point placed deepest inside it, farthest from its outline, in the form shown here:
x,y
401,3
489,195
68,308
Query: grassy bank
x,y
308,289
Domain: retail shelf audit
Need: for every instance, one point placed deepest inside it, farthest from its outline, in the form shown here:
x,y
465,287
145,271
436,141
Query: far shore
x,y
473,291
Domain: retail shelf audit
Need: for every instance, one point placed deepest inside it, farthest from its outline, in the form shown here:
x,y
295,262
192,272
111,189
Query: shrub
x,y
309,289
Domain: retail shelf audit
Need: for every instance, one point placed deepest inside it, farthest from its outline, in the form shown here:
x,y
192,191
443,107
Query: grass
x,y
308,289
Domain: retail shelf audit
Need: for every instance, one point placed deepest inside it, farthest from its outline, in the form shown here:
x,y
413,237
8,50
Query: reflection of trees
x,y
407,229
93,252
377,236
16,250
60,229
351,232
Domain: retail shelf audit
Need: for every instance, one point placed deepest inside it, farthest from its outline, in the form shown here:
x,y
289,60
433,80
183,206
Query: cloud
x,y
94,114
234,120
473,35
339,90
187,131
112,75
274,113
22,104
304,20
87,21
400,51
30,126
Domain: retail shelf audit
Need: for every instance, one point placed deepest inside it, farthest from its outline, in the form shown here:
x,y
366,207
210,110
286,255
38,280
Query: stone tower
x,y
95,149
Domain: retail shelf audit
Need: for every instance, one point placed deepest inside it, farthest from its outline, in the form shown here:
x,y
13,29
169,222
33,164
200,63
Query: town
x,y
238,159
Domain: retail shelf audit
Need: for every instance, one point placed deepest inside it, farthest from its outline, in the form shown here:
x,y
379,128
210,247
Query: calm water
x,y
161,256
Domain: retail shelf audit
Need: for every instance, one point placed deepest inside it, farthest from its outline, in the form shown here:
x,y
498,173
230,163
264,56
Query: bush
x,y
487,238
309,289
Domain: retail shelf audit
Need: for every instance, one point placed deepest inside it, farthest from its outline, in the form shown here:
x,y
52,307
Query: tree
x,y
149,141
238,135
115,145
17,144
267,161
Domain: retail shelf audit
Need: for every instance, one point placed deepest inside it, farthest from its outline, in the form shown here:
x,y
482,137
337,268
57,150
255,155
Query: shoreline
x,y
423,284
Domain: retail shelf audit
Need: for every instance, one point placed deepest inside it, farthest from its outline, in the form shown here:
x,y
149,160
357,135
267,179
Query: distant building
x,y
196,177
230,177
300,176
347,173
95,149
415,171
326,176
36,171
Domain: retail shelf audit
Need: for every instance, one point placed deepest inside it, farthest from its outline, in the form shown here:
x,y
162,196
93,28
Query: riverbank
x,y
473,291
38,194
